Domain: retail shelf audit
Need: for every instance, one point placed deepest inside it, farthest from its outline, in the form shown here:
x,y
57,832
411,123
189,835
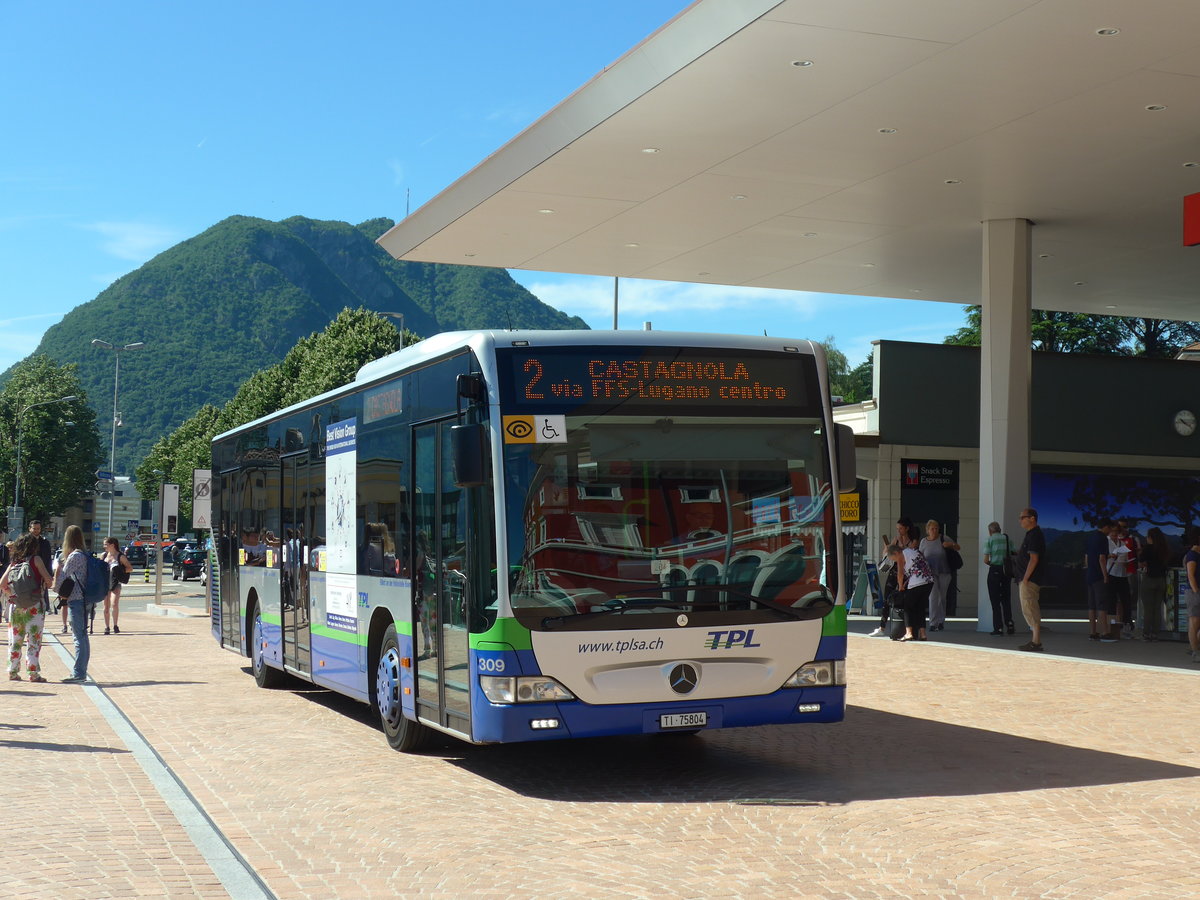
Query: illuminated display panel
x,y
382,402
703,381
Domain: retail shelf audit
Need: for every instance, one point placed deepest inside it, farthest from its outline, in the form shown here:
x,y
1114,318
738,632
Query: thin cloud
x,y
136,241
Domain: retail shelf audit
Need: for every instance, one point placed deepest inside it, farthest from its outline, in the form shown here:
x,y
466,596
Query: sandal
x,y
36,679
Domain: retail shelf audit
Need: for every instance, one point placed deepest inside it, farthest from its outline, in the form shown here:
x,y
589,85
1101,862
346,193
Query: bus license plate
x,y
684,720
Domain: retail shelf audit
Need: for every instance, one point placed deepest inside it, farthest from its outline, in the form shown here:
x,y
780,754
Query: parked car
x,y
187,564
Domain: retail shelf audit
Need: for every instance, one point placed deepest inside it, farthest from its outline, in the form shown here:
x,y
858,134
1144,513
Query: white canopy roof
x,y
854,146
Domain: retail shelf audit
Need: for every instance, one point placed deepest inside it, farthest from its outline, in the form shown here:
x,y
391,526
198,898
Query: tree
x,y
852,385
317,363
60,447
1061,332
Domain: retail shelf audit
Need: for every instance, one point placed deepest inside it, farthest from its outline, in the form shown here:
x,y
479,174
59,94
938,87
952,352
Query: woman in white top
x,y
916,581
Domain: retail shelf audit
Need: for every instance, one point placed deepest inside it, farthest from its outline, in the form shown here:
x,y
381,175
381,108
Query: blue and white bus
x,y
531,535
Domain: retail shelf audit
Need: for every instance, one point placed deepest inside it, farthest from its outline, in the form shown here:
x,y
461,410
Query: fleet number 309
x,y
491,664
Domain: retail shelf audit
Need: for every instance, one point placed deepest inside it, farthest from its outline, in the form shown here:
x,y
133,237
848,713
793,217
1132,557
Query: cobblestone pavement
x,y
959,771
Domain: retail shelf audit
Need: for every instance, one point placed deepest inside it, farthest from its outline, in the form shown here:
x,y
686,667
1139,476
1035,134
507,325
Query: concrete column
x,y
1004,380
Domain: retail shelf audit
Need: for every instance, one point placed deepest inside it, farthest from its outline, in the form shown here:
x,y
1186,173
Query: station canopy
x,y
854,147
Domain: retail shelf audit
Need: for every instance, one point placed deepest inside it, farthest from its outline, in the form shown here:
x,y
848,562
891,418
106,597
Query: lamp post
x,y
20,439
400,316
112,451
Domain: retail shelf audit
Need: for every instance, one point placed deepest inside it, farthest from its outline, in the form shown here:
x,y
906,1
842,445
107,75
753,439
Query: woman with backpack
x,y
70,580
119,568
22,586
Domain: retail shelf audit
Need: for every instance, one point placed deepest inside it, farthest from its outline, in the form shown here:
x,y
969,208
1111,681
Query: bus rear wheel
x,y
264,675
403,734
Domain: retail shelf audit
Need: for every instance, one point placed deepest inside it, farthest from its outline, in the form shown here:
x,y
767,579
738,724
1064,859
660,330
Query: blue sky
x,y
131,126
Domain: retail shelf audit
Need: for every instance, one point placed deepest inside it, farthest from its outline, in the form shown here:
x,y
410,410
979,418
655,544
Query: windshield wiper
x,y
815,610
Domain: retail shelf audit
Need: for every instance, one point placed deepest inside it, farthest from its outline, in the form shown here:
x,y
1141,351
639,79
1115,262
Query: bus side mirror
x,y
468,444
843,442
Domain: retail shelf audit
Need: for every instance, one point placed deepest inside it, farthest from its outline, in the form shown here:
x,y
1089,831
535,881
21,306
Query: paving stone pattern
x,y
959,772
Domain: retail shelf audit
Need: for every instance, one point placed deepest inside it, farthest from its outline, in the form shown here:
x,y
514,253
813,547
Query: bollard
x,y
146,575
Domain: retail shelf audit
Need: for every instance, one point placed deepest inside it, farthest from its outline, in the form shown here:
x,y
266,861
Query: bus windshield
x,y
669,515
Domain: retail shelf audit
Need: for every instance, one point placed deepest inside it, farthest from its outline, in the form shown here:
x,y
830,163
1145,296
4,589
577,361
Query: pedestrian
x,y
1118,579
26,609
906,536
1132,574
6,547
933,547
70,579
119,568
1153,582
997,550
1030,569
46,552
1101,601
1191,565
916,580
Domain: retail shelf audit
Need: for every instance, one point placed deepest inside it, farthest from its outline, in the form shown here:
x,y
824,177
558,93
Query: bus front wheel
x,y
402,733
264,675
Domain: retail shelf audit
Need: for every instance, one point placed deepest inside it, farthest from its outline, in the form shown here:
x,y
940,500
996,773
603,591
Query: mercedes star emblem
x,y
683,678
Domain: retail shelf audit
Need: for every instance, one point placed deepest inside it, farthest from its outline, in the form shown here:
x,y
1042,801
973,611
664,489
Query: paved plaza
x,y
963,769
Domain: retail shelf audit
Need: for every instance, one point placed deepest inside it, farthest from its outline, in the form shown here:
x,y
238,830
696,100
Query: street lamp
x,y
20,438
400,316
112,452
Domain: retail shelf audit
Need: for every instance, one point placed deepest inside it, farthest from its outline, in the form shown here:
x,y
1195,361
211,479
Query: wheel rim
x,y
256,653
387,688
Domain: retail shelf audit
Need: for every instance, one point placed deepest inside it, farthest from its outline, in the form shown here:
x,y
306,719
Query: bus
x,y
534,535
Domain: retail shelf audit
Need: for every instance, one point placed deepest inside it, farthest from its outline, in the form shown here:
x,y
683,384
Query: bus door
x,y
227,579
440,580
293,574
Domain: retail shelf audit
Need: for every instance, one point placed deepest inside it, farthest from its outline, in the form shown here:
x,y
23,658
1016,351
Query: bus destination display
x,y
678,379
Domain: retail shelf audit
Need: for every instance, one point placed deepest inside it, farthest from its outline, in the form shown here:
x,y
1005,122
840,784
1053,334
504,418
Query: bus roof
x,y
440,345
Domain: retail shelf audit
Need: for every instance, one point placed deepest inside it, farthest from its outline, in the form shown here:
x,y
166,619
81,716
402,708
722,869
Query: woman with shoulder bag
x,y
27,614
70,578
934,548
119,568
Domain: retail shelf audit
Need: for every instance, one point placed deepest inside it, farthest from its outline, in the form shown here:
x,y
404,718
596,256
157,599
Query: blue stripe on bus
x,y
492,723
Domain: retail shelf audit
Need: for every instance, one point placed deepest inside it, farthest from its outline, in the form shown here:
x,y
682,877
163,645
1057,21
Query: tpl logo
x,y
725,640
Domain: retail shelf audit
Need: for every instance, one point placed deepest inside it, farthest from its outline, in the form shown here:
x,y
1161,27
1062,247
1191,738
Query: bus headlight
x,y
819,674
525,689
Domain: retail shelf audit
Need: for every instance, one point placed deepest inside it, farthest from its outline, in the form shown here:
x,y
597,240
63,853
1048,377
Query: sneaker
x,y
116,630
13,676
1094,636
1036,648
878,632
997,631
1012,630
36,679
106,631
74,679
1108,638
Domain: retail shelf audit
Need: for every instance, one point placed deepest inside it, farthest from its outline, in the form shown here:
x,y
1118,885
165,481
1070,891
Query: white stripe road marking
x,y
234,871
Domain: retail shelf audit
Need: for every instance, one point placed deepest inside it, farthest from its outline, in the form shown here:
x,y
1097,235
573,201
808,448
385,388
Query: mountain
x,y
220,306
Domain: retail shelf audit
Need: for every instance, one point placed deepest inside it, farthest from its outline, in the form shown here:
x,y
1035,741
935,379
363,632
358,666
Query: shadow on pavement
x,y
124,684
803,765
60,748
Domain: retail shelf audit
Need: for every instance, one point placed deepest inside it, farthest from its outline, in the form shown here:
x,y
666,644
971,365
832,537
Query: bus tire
x,y
402,733
264,675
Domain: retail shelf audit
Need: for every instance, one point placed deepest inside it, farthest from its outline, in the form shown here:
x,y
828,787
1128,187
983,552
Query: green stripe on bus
x,y
504,631
335,634
834,622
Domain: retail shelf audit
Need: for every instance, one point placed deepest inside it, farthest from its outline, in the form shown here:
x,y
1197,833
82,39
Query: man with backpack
x,y
23,585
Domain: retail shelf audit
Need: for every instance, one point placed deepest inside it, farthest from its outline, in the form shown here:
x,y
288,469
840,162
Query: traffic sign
x,y
102,475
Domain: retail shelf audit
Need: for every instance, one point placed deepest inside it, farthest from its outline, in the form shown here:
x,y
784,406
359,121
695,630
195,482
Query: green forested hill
x,y
217,308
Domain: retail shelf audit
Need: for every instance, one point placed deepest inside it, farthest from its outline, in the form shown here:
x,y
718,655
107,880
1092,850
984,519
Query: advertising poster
x,y
341,468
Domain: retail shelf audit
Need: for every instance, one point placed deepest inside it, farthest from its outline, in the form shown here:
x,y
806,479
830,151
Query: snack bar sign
x,y
929,474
